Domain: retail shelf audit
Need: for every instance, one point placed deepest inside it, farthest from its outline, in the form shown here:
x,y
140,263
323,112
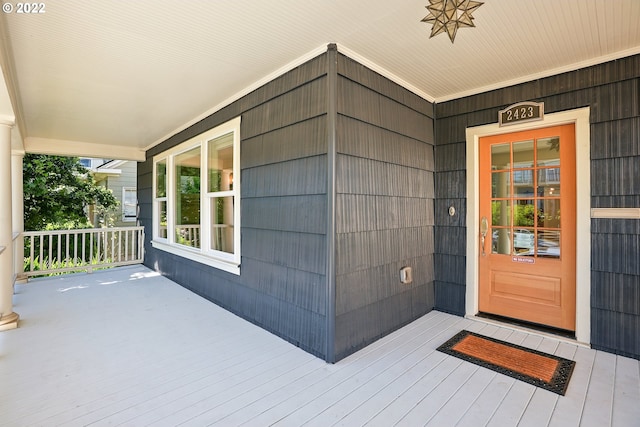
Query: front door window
x,y
525,198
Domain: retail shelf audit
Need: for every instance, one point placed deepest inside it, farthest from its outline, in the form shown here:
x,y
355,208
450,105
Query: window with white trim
x,y
196,198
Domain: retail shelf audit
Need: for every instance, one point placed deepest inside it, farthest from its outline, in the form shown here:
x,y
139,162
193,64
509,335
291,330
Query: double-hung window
x,y
196,198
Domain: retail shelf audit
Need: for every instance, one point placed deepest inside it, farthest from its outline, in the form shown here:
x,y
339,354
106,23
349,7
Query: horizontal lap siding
x,y
384,206
282,285
612,91
284,186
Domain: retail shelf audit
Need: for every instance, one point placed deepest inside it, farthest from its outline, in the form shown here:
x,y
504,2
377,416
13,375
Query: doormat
x,y
534,367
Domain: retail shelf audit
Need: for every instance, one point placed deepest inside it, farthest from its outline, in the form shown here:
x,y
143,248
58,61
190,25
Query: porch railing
x,y
82,249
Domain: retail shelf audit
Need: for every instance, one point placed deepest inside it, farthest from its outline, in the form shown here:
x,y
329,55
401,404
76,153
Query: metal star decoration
x,y
449,15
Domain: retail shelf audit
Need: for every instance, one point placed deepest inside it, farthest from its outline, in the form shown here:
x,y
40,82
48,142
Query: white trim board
x,y
583,212
60,147
616,213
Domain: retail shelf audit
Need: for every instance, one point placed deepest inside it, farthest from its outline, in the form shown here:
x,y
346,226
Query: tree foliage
x,y
57,190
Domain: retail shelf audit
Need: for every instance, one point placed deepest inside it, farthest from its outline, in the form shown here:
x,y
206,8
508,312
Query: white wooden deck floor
x,y
128,347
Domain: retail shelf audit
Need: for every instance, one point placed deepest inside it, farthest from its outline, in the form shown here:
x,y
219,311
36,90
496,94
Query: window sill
x,y
229,267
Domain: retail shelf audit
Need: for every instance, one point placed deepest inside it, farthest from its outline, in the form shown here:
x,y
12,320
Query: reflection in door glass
x,y
523,183
523,242
501,241
501,212
500,156
548,151
549,182
549,244
524,213
549,213
523,154
500,185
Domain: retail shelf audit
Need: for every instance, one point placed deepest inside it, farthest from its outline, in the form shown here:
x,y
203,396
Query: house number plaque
x,y
521,112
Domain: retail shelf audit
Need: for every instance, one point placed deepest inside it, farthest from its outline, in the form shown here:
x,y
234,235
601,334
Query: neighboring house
x,y
91,163
119,176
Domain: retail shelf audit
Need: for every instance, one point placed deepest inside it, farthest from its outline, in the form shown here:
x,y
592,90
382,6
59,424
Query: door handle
x,y
484,227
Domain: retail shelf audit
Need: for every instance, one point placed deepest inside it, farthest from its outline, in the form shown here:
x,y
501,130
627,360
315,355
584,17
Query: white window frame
x,y
205,255
157,200
135,208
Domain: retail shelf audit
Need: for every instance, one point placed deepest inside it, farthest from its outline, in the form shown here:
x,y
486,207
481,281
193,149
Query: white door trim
x,y
583,210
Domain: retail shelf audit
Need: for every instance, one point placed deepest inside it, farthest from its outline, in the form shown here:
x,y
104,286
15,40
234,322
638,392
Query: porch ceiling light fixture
x,y
449,15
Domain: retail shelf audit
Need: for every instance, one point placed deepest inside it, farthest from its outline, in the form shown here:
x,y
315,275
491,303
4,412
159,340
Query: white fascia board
x,y
60,147
106,172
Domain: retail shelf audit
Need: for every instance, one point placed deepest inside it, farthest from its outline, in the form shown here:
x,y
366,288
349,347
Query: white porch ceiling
x,y
96,76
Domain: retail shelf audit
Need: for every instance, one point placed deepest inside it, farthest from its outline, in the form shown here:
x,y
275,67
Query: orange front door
x,y
528,227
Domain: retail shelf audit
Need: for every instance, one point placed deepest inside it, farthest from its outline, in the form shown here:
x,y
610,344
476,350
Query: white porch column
x,y
8,319
17,211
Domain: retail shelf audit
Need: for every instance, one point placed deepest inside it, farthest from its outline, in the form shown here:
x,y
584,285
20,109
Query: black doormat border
x,y
564,333
558,383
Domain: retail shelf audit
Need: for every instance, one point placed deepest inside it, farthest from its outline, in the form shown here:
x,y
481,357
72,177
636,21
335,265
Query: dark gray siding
x,y
282,286
326,137
615,286
612,91
384,206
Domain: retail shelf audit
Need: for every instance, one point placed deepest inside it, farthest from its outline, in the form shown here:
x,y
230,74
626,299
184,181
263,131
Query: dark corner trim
x,y
332,79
